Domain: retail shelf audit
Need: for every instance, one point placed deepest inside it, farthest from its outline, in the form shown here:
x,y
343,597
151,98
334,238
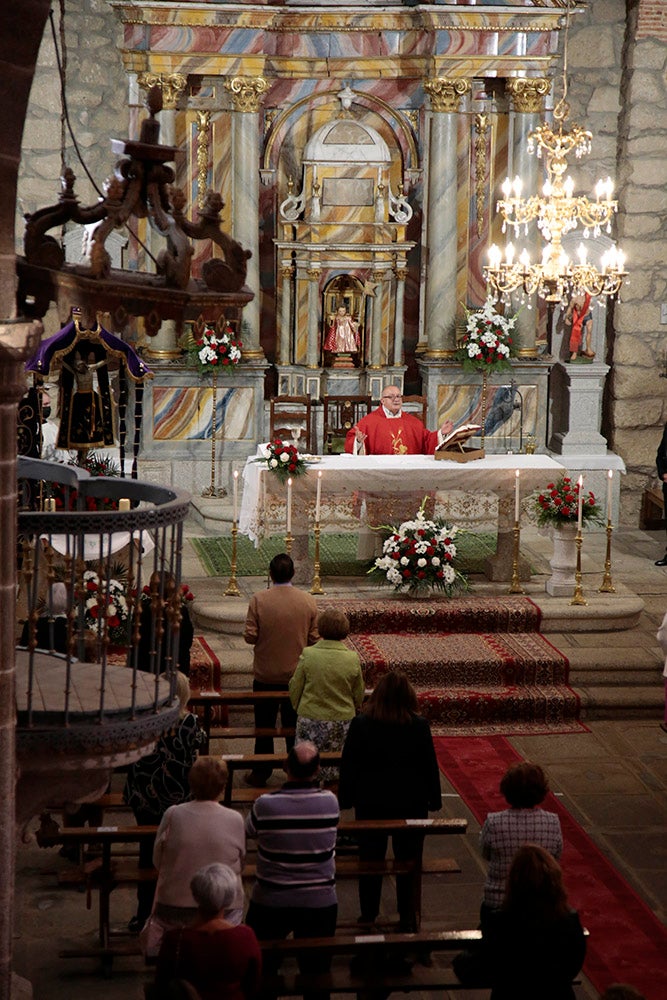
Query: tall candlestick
x,y
610,476
289,506
236,494
318,497
580,506
517,494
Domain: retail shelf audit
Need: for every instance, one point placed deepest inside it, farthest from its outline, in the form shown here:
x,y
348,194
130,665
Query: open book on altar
x,y
458,436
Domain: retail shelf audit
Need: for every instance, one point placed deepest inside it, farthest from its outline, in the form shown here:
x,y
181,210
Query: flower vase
x,y
563,562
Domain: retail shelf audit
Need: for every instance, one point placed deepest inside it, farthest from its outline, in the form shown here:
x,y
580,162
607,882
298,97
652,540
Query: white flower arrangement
x,y
420,555
106,599
216,351
489,341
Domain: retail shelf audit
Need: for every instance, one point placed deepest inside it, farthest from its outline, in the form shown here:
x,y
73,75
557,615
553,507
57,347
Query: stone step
x,y
621,702
615,678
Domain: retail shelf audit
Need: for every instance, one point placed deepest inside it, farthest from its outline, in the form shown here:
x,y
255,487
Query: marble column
x,y
440,297
376,320
527,109
312,347
246,93
164,345
400,273
286,307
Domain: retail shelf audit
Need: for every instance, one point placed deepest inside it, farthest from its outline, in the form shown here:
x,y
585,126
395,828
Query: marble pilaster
x,y
440,297
286,314
400,273
527,109
246,94
312,349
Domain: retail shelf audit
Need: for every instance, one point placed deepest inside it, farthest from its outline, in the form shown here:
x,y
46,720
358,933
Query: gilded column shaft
x,y
441,235
527,108
246,93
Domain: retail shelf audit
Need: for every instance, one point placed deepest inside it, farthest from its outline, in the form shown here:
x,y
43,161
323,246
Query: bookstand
x,y
459,454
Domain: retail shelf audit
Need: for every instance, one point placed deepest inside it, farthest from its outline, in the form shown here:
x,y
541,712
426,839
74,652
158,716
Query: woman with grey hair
x,y
222,961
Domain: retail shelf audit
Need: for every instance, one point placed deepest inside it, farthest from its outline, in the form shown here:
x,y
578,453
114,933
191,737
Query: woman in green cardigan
x,y
327,688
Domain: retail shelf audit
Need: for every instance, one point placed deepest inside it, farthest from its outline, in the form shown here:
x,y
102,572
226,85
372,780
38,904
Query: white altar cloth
x,y
382,475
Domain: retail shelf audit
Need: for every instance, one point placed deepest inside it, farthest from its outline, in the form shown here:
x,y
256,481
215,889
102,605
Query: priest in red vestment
x,y
389,431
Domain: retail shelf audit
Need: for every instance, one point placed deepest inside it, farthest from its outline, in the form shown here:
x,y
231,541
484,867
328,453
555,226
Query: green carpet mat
x,y
337,554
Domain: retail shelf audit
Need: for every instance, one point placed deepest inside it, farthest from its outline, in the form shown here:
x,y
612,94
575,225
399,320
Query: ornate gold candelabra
x,y
578,596
232,587
317,583
607,587
515,585
289,538
212,490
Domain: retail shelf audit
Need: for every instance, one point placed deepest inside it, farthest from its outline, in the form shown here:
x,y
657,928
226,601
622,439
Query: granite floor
x,y
613,779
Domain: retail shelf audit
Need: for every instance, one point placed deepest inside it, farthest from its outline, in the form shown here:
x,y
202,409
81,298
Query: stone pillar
x,y
246,93
577,393
376,320
399,323
440,298
17,341
285,324
527,108
164,345
314,325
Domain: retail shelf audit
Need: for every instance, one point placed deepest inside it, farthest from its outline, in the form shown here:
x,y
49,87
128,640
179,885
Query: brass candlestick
x,y
317,583
515,586
607,587
232,587
288,543
212,490
578,596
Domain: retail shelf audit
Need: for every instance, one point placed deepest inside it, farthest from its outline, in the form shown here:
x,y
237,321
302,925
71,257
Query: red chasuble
x,y
404,435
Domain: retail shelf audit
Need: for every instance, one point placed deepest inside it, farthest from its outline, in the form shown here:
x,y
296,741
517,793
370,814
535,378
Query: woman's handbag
x,y
150,937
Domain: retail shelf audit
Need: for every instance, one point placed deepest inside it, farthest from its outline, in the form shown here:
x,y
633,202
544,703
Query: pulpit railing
x,y
98,604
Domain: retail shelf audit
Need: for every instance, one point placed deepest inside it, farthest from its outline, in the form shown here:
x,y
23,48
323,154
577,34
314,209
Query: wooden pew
x,y
208,700
111,871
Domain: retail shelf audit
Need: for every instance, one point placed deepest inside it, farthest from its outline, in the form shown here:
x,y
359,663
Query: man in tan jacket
x,y
280,622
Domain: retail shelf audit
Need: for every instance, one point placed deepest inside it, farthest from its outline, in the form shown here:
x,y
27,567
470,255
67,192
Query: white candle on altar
x,y
289,506
517,494
236,494
318,497
580,506
610,476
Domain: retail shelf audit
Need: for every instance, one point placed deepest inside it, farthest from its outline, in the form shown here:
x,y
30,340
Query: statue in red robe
x,y
343,334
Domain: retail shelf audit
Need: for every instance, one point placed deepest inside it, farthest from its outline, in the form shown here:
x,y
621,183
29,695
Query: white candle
x,y
580,508
289,506
517,494
318,497
124,503
610,476
236,494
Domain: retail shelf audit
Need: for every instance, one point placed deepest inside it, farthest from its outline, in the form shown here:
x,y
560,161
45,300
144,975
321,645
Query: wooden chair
x,y
291,421
341,413
416,405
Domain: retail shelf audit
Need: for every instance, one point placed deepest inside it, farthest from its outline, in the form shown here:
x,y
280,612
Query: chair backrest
x,y
416,405
341,413
291,421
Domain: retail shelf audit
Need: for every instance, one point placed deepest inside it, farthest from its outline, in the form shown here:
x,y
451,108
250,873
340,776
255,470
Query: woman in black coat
x,y
389,771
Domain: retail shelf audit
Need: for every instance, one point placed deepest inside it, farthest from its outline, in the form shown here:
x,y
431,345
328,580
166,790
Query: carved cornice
x,y
172,86
446,93
246,92
528,93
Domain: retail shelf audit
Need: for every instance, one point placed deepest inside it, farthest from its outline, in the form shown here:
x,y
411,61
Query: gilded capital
x,y
172,86
246,92
528,93
314,273
446,93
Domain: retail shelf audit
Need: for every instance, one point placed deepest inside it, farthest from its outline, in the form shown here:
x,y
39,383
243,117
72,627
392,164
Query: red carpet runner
x,y
627,942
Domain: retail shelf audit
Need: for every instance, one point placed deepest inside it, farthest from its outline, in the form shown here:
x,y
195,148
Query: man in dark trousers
x,y
661,463
280,622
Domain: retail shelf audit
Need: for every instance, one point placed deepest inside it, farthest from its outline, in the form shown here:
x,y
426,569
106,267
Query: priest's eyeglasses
x,y
392,397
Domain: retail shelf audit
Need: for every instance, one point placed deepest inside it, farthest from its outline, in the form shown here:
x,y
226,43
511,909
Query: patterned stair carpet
x,y
480,666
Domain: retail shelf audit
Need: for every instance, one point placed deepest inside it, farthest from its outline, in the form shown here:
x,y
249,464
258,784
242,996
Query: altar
x,y
380,489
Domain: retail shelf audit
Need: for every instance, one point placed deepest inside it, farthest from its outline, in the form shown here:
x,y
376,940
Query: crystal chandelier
x,y
556,277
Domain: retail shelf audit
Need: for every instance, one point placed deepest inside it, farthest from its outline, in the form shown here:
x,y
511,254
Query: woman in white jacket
x,y
662,639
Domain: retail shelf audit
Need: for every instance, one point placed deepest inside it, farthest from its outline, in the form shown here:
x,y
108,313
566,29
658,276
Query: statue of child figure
x,y
343,333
